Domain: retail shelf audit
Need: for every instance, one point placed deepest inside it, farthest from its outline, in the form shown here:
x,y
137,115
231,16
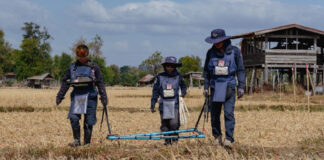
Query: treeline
x,y
33,58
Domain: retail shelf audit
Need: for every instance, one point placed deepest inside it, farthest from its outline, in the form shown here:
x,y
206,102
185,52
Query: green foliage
x,y
129,76
9,82
190,64
10,61
110,76
5,49
102,65
152,64
61,65
115,77
34,57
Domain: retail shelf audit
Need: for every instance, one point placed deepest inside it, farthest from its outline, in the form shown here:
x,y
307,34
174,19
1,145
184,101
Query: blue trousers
x,y
90,118
216,108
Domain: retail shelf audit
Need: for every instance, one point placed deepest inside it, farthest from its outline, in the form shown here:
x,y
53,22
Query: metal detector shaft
x,y
108,125
105,112
202,110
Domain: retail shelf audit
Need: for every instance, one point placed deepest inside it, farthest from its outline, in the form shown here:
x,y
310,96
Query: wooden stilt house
x,y
288,49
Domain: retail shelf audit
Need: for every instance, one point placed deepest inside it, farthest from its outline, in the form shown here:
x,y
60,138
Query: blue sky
x,y
134,29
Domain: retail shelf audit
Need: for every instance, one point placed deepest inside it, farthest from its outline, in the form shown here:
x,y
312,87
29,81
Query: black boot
x,y
87,134
76,136
167,142
174,141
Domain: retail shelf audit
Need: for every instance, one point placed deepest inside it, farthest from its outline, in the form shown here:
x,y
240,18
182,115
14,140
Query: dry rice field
x,y
268,126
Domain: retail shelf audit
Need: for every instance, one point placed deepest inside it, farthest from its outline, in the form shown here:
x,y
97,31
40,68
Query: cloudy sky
x,y
134,29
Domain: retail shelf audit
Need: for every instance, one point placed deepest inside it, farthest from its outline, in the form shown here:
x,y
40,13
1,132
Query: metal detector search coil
x,y
158,135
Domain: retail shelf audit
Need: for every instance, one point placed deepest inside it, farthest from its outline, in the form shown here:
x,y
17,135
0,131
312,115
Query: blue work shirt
x,y
158,90
240,70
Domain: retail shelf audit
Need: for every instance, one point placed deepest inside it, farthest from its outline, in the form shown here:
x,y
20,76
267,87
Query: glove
x,y
240,93
153,108
205,92
58,100
104,101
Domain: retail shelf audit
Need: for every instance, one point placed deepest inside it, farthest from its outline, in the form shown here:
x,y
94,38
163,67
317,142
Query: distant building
x,y
8,79
40,81
194,76
290,49
10,76
146,80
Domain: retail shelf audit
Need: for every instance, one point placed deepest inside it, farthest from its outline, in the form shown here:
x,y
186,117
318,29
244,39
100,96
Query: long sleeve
x,y
206,72
183,87
64,87
240,68
155,91
100,83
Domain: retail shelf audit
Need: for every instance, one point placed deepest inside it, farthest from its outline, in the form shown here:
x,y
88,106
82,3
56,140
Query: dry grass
x,y
259,134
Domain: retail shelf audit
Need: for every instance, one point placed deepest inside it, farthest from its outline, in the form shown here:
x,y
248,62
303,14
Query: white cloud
x,y
165,16
92,10
121,44
13,13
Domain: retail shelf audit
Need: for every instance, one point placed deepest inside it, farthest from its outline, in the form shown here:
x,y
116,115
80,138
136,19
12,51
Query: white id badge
x,y
168,93
221,71
80,104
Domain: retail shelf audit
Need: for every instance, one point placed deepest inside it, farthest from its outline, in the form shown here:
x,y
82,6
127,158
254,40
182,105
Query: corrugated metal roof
x,y
147,78
41,77
264,31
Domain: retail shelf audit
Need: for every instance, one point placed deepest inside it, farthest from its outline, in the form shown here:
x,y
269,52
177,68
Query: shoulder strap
x,y
91,64
74,69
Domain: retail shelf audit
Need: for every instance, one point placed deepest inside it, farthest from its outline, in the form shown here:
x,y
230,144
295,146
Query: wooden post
x,y
279,84
314,78
265,73
273,81
295,68
322,68
191,83
252,79
293,80
199,85
246,85
307,81
315,44
311,82
261,82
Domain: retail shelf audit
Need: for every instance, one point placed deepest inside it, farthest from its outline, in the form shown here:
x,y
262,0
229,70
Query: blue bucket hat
x,y
171,60
216,36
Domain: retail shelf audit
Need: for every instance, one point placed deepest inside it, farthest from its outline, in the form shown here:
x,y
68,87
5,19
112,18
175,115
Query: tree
x,y
34,57
95,53
190,64
129,76
152,64
95,46
110,77
5,50
116,76
61,64
80,41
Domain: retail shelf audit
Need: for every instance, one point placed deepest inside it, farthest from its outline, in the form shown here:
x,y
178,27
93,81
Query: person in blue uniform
x,y
223,64
86,79
166,86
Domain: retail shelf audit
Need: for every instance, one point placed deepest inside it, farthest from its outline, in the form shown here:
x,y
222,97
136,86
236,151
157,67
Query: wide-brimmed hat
x,y
216,36
171,60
